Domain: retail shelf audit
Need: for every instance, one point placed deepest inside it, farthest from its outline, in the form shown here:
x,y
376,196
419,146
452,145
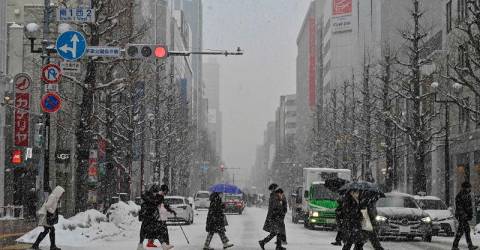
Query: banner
x,y
342,15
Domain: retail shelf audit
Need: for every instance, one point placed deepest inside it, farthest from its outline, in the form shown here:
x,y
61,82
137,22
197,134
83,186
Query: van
x,y
202,199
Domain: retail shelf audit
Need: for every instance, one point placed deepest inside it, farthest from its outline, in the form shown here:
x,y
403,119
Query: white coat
x,y
50,205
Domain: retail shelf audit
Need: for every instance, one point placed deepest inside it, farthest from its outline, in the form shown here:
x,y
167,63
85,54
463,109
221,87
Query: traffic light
x,y
143,51
222,167
16,157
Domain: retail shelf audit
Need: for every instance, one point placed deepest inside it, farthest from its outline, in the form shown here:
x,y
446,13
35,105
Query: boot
x,y
227,245
207,248
280,248
151,243
54,248
262,244
35,247
336,243
166,247
472,247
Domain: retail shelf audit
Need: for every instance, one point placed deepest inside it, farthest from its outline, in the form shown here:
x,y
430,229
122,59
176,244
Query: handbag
x,y
366,223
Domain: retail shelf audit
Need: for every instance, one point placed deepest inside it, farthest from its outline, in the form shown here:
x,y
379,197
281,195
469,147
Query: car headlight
x,y
380,218
427,220
315,214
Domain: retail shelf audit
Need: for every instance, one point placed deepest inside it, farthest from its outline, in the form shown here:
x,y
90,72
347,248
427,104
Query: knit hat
x,y
272,186
164,188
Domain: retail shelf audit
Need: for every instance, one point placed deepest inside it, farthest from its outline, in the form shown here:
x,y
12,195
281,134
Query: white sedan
x,y
443,220
182,207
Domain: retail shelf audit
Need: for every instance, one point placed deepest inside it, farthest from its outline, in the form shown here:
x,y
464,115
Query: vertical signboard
x,y
22,106
342,15
312,62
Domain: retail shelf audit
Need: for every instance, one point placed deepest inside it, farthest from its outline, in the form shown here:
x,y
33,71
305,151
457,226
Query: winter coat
x,y
274,223
352,220
463,206
216,220
48,213
338,213
152,227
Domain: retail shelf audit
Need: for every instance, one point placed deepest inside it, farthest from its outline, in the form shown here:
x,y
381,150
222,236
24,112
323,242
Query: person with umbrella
x,y
274,223
334,184
216,222
352,221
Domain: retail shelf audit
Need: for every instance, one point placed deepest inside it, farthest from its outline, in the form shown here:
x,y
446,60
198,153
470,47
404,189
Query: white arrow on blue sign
x,y
71,45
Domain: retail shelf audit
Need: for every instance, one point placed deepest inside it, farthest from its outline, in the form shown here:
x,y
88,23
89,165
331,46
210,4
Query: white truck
x,y
318,203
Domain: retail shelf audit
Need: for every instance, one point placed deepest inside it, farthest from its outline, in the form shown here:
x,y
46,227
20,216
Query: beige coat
x,y
50,205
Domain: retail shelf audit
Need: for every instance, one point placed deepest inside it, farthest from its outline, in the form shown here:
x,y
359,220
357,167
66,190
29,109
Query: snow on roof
x,y
174,197
420,197
396,193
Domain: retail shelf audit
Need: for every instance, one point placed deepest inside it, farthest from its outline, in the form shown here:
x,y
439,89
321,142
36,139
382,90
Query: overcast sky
x,y
251,85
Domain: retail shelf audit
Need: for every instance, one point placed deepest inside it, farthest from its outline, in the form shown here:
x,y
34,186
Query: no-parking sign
x,y
51,102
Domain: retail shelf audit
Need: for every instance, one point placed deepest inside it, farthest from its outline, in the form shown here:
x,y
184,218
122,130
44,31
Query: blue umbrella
x,y
225,188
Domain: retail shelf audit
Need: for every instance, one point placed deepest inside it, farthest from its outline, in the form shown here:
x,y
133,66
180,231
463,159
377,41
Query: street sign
x,y
29,153
22,81
71,67
51,88
76,15
103,51
51,102
71,45
51,73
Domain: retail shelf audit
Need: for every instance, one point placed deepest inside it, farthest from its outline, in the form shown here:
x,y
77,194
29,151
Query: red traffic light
x,y
16,156
161,52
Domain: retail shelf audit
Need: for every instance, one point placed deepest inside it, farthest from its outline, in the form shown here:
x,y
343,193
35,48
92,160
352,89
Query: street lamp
x,y
456,88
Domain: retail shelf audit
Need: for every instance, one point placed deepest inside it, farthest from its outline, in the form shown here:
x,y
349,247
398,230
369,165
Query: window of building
x,y
449,16
462,8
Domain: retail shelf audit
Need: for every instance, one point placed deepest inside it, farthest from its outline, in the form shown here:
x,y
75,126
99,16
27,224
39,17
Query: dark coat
x,y
277,209
352,220
463,206
216,220
151,227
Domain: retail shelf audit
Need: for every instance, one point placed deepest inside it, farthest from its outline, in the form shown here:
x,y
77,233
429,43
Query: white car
x,y
202,199
443,220
182,207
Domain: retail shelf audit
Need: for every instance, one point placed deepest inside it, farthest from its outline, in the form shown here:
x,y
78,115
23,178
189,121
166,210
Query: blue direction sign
x,y
51,102
71,45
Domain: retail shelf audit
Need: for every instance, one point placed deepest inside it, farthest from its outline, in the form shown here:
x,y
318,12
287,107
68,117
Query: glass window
x,y
203,195
319,191
174,201
397,201
432,204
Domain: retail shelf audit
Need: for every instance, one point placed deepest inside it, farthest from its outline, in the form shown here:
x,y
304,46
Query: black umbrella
x,y
369,192
334,184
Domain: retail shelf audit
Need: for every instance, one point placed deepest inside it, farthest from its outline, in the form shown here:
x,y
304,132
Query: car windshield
x,y
397,201
203,195
320,192
174,201
432,204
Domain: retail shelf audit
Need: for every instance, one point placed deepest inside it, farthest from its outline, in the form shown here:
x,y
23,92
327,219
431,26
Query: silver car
x,y
443,220
181,206
202,199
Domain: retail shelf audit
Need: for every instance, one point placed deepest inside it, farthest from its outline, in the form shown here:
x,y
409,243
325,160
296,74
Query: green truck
x,y
318,203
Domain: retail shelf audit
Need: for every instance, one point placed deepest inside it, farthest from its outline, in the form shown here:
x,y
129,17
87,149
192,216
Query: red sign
x,y
51,73
342,7
16,157
22,82
22,105
312,63
51,102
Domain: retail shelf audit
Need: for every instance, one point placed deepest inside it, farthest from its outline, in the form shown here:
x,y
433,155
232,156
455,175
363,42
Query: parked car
x,y
399,215
233,203
296,204
202,199
443,220
183,209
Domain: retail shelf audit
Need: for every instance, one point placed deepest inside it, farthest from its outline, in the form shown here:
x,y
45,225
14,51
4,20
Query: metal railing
x,y
10,211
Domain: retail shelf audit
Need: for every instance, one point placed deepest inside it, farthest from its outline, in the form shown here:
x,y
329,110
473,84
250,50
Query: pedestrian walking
x,y
216,222
372,235
148,215
339,220
161,224
464,213
352,221
274,223
48,217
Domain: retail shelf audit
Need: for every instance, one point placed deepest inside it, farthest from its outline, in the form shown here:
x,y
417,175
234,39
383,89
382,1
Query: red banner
x,y
312,63
342,7
22,105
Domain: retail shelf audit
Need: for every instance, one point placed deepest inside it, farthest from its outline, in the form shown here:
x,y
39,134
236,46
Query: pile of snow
x,y
87,227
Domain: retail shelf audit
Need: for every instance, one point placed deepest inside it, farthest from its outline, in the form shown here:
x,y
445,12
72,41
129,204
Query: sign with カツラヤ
x,y
342,15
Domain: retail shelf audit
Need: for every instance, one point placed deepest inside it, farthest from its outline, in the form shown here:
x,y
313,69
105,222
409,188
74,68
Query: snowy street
x,y
244,231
